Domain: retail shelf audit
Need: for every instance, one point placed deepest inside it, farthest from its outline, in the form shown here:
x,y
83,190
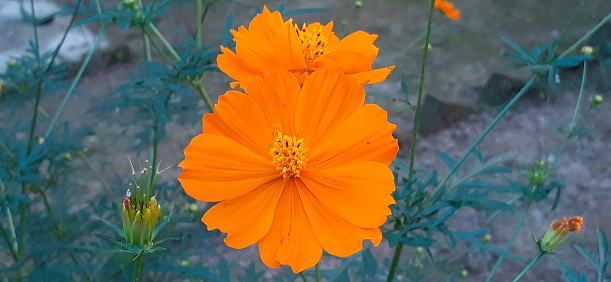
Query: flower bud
x,y
587,50
129,4
558,232
596,101
358,4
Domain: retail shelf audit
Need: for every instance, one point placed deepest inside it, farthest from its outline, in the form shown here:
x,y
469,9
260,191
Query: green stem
x,y
317,267
416,128
146,44
574,120
138,267
100,178
585,36
159,50
395,262
202,92
510,242
164,41
76,80
569,26
303,276
528,267
38,76
12,240
200,19
504,111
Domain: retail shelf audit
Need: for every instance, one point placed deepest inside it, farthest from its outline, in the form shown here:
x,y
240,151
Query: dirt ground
x,y
464,54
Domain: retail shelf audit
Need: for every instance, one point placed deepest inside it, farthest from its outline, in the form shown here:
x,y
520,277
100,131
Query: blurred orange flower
x,y
447,8
271,44
294,169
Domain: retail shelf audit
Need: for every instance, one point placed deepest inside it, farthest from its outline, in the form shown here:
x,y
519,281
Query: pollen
x,y
288,154
313,41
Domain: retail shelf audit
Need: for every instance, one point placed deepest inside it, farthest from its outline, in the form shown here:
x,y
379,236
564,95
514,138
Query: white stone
x,y
15,33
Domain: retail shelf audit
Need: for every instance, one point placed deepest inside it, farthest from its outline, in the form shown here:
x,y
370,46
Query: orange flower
x,y
447,8
270,44
296,170
558,232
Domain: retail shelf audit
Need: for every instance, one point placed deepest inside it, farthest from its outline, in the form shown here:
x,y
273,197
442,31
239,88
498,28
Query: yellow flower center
x,y
288,153
313,42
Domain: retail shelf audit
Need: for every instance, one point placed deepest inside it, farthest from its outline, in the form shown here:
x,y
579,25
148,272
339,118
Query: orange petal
x,y
346,61
276,95
229,63
238,117
326,101
365,136
360,42
247,218
217,168
447,8
336,235
372,76
290,240
359,193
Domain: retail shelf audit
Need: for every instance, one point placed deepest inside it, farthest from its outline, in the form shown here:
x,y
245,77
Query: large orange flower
x,y
271,44
296,170
447,8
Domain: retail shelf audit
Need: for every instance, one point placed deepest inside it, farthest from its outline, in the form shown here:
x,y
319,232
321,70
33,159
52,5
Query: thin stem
x,y
569,26
76,80
100,178
574,120
585,36
159,50
481,137
200,19
416,128
164,41
528,267
138,267
145,41
38,76
12,242
303,276
393,265
317,268
202,92
510,242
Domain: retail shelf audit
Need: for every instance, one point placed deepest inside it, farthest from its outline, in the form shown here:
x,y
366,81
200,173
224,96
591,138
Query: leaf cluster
x,y
542,59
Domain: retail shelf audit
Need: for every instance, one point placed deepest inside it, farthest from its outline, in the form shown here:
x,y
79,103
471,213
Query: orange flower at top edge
x,y
296,169
271,44
447,8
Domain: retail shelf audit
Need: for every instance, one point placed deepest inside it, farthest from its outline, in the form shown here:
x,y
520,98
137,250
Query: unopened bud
x,y
596,101
192,208
358,4
587,50
12,62
463,273
130,4
558,232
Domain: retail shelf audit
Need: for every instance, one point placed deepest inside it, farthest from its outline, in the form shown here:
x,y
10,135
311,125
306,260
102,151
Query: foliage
x,y
48,220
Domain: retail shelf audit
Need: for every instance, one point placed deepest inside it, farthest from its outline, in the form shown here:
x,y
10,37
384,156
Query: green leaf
x,y
587,255
370,265
114,227
161,225
516,47
109,239
603,247
568,273
446,158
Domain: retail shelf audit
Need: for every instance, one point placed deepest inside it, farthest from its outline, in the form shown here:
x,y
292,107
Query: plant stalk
x,y
528,267
510,242
416,128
